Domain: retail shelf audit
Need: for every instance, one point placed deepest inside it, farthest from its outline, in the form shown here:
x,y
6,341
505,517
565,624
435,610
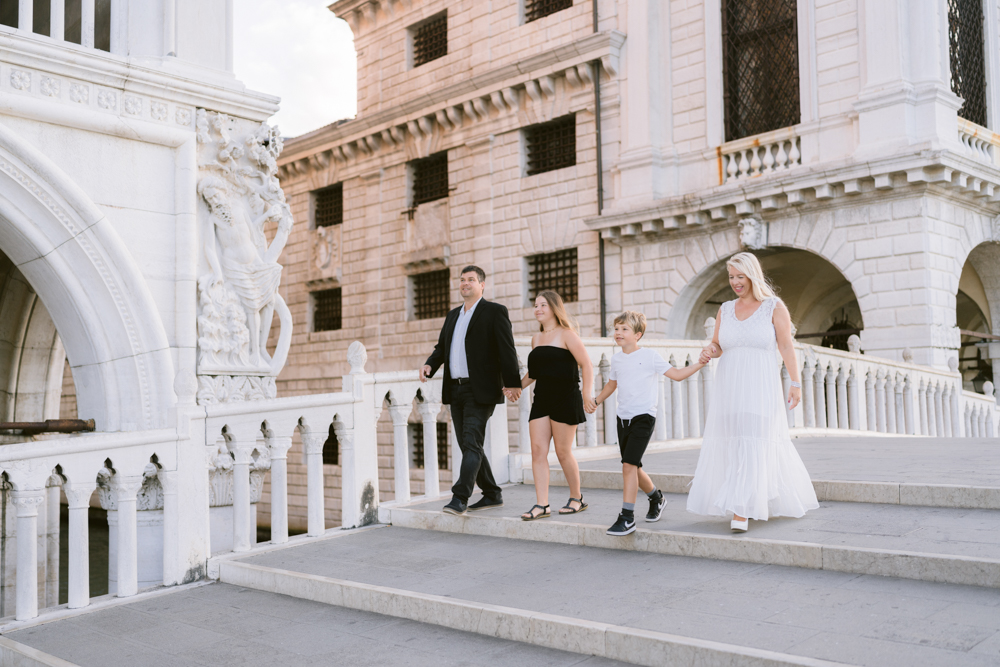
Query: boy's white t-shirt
x,y
637,375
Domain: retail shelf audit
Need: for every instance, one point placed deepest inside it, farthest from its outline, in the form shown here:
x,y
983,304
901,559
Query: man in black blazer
x,y
476,348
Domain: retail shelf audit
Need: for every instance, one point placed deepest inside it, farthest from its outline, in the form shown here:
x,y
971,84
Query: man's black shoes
x,y
485,504
623,526
456,506
656,504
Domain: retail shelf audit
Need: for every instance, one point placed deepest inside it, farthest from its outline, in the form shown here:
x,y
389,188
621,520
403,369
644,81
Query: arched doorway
x,y
977,316
822,302
66,250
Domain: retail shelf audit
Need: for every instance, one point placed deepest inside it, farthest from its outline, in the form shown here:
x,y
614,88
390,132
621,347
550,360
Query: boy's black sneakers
x,y
656,504
623,526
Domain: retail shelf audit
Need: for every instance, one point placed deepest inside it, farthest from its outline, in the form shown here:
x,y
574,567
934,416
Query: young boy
x,y
634,373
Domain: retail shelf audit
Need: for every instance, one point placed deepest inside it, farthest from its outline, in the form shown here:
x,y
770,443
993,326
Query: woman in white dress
x,y
748,466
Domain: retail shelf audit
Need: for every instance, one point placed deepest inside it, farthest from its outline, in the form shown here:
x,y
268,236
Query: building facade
x,y
619,151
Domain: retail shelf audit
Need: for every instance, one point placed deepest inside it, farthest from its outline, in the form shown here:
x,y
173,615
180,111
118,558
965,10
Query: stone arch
x,y
977,308
71,256
818,304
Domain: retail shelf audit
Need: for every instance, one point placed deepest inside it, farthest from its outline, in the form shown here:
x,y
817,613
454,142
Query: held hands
x,y
794,396
512,393
707,354
589,405
425,372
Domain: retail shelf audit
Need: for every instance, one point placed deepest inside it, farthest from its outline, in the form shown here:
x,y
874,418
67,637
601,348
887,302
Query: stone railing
x,y
27,22
980,143
760,155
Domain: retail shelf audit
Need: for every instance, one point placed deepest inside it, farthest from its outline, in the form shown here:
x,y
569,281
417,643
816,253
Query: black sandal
x,y
530,516
570,510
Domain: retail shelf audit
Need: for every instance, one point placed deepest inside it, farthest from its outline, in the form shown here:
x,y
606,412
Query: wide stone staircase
x,y
900,565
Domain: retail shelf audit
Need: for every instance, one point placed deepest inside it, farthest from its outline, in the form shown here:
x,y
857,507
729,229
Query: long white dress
x,y
748,465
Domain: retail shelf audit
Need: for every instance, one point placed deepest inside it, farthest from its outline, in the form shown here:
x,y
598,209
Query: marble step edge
x,y
941,568
17,654
614,642
956,496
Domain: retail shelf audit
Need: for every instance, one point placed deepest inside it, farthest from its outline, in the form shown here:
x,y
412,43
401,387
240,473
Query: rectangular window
x,y
760,63
431,294
430,178
417,438
536,9
328,206
327,310
551,145
554,271
430,39
968,59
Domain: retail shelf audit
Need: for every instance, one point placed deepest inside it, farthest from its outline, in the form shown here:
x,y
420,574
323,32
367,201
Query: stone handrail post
x,y
27,501
312,443
125,488
429,411
279,446
400,414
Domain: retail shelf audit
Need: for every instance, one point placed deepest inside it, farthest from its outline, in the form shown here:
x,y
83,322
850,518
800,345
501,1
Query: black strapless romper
x,y
557,385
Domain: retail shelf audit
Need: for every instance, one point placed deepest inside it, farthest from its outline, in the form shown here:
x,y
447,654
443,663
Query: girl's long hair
x,y
558,309
748,264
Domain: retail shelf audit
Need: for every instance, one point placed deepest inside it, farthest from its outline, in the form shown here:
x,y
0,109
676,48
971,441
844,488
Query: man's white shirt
x,y
458,363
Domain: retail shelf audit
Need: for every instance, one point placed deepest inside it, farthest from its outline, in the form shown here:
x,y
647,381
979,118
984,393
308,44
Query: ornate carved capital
x,y
79,494
428,411
27,501
313,442
125,488
279,446
400,413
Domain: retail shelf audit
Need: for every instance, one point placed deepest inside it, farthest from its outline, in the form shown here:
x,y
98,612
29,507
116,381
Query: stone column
x,y
843,411
853,404
428,416
400,414
125,489
78,494
922,407
820,394
52,490
312,442
279,446
890,403
694,414
57,20
243,453
831,397
27,502
172,572
808,398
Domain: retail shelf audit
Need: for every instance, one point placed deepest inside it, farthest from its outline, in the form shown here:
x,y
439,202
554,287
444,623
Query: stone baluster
x,y
57,20
922,407
279,446
52,493
694,414
870,401
989,390
707,380
173,570
78,495
952,405
87,23
932,412
677,406
938,412
950,428
831,397
968,420
400,414
125,488
609,407
843,418
662,396
908,417
977,431
819,380
808,400
428,411
27,502
312,444
890,403
590,430
900,406
982,422
242,449
853,407
880,400
669,389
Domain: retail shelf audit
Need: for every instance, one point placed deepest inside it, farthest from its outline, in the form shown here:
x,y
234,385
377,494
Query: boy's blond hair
x,y
634,320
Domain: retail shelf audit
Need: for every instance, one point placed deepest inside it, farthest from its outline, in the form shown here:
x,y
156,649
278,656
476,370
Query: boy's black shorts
x,y
633,437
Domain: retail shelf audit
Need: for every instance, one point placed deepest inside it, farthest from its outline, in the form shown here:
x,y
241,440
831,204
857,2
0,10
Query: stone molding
x,y
479,99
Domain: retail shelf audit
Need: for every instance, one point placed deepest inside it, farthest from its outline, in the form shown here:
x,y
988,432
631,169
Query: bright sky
x,y
298,50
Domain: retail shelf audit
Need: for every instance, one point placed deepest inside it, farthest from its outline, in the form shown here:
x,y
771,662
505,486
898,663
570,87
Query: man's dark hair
x,y
479,272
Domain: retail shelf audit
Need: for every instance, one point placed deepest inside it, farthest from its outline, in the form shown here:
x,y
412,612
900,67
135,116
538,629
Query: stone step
x,y
888,493
641,608
959,546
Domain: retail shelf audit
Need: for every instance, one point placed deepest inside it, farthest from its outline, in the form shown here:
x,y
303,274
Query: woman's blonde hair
x,y
558,309
748,264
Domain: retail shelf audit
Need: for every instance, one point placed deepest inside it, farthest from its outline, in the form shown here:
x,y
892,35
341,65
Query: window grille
x,y
554,271
417,438
430,178
431,297
536,9
430,40
967,55
327,310
760,66
331,449
329,206
551,145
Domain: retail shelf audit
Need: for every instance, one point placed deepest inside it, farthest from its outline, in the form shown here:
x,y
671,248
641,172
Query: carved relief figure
x,y
753,233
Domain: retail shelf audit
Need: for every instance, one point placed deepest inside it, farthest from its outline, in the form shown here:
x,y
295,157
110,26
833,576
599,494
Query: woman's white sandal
x,y
740,526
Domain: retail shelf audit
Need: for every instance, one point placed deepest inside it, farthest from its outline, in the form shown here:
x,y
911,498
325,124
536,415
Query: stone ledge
x,y
15,654
614,642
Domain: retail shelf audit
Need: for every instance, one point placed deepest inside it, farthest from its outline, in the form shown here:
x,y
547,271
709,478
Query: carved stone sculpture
x,y
753,233
326,263
238,296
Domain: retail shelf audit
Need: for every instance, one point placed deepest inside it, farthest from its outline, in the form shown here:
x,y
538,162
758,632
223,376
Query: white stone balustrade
x,y
760,155
57,22
979,142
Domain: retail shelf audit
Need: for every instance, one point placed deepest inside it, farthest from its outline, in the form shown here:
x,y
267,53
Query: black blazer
x,y
489,349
